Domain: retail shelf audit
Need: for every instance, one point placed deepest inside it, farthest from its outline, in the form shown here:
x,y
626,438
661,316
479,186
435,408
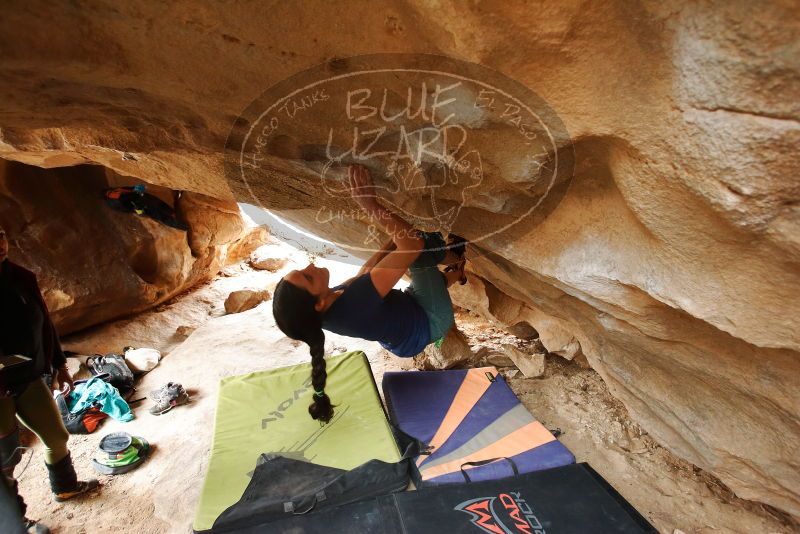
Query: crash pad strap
x,y
515,443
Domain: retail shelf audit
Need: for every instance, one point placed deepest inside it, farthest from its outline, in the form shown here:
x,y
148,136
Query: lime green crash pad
x,y
267,412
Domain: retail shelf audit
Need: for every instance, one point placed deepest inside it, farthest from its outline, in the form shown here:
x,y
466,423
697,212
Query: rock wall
x,y
95,264
674,258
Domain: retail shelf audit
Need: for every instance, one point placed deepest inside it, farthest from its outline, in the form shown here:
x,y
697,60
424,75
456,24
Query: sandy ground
x,y
160,496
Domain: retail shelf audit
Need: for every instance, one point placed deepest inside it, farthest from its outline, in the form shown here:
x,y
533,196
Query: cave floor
x,y
160,496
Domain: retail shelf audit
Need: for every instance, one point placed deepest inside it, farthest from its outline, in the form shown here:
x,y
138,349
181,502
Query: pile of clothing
x,y
105,394
92,401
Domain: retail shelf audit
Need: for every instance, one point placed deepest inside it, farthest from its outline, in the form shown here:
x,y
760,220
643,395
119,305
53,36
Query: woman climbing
x,y
367,306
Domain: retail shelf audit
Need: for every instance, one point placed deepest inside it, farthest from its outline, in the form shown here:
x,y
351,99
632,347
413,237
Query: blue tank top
x,y
396,321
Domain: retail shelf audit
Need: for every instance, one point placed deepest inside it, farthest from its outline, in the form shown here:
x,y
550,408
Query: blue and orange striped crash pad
x,y
469,416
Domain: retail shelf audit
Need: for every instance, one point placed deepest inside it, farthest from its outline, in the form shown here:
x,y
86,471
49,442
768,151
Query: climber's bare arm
x,y
370,263
391,268
377,257
363,192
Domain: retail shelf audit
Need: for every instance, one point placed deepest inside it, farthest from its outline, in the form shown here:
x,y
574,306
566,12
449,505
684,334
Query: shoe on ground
x,y
168,397
156,393
82,487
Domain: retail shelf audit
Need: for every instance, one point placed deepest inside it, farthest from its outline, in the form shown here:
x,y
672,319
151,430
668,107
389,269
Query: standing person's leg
x,y
38,411
429,286
10,453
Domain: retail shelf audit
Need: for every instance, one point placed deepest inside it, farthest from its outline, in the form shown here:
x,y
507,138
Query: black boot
x,y
459,247
64,481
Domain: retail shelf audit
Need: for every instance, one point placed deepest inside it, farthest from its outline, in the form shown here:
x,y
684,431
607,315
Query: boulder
x,y
95,264
245,299
670,258
454,352
569,351
532,364
251,239
212,222
497,359
267,264
269,257
184,331
522,330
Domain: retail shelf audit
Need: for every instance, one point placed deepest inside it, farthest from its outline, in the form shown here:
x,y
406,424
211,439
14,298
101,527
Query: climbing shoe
x,y
458,267
82,487
459,247
167,397
64,481
119,452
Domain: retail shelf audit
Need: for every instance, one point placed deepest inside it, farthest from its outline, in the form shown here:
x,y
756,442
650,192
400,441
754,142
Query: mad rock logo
x,y
507,513
450,145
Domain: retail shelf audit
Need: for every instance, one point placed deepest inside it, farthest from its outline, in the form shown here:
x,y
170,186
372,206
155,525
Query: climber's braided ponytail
x,y
321,408
295,315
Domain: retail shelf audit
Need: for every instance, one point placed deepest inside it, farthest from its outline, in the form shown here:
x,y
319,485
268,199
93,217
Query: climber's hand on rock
x,y
362,190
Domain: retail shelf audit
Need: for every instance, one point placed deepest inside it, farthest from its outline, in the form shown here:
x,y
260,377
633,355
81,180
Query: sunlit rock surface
x,y
93,263
672,263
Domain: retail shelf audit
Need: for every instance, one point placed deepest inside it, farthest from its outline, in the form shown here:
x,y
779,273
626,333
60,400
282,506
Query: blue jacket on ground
x,y
99,392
